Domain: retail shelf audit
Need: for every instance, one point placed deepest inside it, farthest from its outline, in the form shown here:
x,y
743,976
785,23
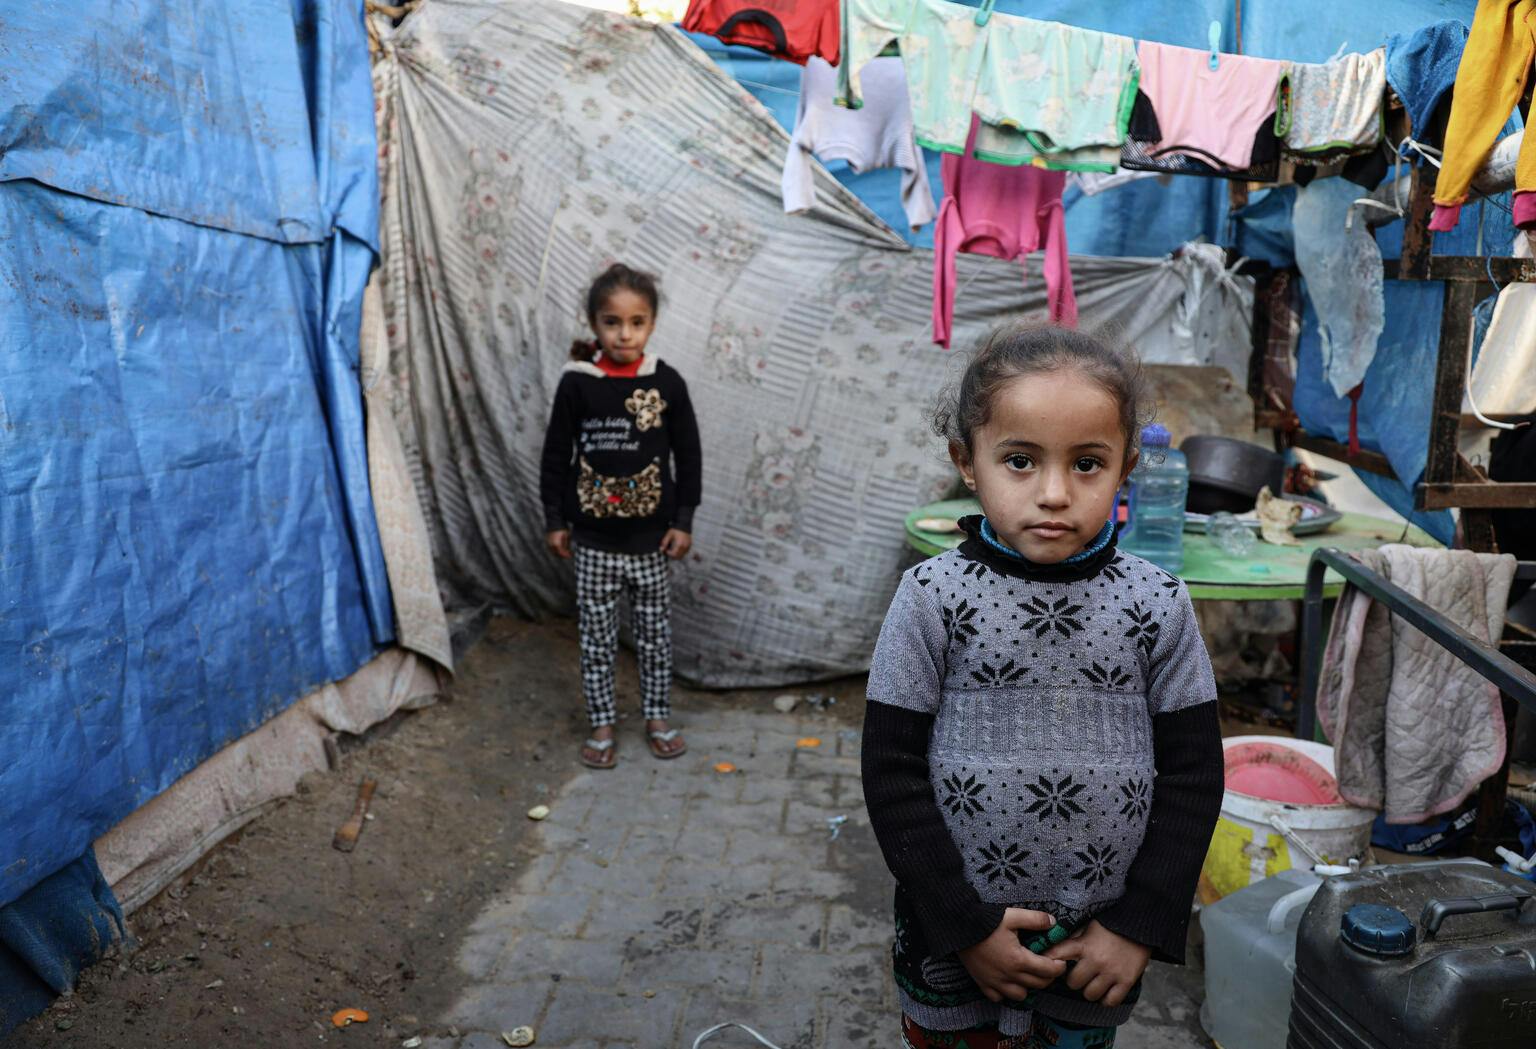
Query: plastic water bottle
x,y
1159,488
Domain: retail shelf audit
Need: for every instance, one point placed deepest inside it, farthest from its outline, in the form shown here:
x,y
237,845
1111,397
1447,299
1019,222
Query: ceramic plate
x,y
1315,517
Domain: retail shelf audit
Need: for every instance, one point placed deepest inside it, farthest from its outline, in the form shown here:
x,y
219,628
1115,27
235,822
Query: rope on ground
x,y
706,1035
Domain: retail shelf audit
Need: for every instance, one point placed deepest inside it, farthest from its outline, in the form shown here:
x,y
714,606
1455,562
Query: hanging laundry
x,y
941,47
1421,67
1489,82
793,30
877,136
1004,145
1004,212
1341,263
1208,113
1144,151
1066,91
1049,93
1332,107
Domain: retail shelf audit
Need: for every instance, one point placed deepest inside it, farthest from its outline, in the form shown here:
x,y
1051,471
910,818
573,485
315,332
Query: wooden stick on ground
x,y
346,834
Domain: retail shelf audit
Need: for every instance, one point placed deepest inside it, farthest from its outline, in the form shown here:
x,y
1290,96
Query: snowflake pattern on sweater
x,y
1043,694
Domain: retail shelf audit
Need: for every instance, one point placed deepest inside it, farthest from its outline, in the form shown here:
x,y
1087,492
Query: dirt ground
x,y
276,930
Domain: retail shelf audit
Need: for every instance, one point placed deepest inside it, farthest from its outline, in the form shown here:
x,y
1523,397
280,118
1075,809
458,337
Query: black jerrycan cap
x,y
1382,932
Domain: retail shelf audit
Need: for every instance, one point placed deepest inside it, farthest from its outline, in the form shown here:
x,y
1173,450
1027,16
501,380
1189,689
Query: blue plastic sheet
x,y
1396,401
1262,230
61,925
188,207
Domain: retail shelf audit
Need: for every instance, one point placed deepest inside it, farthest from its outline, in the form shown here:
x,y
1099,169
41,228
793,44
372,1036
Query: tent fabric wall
x,y
53,931
421,625
187,198
529,143
145,852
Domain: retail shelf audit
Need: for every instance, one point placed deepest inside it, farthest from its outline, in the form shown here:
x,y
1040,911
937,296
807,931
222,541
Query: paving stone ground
x,y
669,897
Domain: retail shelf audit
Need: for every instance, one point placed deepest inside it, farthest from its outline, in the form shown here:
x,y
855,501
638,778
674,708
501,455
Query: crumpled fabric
x,y
50,934
1414,729
1421,67
1332,106
1342,266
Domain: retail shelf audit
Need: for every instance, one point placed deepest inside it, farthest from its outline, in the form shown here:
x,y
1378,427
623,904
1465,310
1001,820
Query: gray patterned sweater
x,y
1041,736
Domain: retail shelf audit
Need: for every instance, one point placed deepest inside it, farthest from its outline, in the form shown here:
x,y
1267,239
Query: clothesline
x,y
1058,96
1013,103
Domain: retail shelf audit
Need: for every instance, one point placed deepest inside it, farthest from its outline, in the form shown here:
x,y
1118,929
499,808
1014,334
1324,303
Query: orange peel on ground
x,y
344,1017
807,742
724,766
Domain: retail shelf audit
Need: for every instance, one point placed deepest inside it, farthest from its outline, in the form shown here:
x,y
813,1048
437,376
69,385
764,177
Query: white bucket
x,y
1249,846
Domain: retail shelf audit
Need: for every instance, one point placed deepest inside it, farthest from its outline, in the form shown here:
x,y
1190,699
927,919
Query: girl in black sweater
x,y
620,480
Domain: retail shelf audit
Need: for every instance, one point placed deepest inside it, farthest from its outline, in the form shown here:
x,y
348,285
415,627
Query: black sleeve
x,y
911,831
686,456
1186,800
559,447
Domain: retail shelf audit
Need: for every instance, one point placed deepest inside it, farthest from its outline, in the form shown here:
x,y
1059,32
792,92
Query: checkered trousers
x,y
601,577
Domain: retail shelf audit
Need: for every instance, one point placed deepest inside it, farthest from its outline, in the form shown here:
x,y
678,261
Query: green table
x,y
1269,573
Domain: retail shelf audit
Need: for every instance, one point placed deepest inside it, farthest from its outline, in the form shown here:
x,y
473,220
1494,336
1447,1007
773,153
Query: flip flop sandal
x,y
653,738
603,747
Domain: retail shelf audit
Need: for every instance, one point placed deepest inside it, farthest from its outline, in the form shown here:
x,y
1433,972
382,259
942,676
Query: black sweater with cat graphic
x,y
621,457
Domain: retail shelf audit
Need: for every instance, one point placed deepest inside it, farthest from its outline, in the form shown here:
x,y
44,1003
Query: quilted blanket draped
x,y
1415,730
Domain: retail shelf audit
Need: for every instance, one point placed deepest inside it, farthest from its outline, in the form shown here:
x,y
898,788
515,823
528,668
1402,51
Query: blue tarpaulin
x,y
61,925
189,211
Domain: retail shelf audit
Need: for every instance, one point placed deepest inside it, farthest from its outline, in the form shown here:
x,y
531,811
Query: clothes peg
x,y
1213,37
984,12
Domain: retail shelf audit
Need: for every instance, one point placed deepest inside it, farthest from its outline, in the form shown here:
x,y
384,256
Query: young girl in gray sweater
x,y
1041,751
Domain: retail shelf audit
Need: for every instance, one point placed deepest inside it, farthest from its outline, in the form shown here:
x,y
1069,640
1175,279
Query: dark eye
x,y
1019,461
1087,464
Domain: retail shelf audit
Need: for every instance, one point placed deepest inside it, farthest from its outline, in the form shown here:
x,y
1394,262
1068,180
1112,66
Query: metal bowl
x,y
1226,474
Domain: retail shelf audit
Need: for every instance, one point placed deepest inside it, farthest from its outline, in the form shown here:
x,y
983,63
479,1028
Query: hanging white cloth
x,y
877,135
1341,264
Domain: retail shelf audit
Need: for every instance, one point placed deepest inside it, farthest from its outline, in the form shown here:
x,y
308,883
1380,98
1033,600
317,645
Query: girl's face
x,y
1048,463
623,326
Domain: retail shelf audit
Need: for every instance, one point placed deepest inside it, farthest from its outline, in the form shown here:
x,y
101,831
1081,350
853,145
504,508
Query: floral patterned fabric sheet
x,y
523,147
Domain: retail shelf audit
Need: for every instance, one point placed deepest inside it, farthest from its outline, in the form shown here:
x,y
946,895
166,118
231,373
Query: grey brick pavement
x,y
669,897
